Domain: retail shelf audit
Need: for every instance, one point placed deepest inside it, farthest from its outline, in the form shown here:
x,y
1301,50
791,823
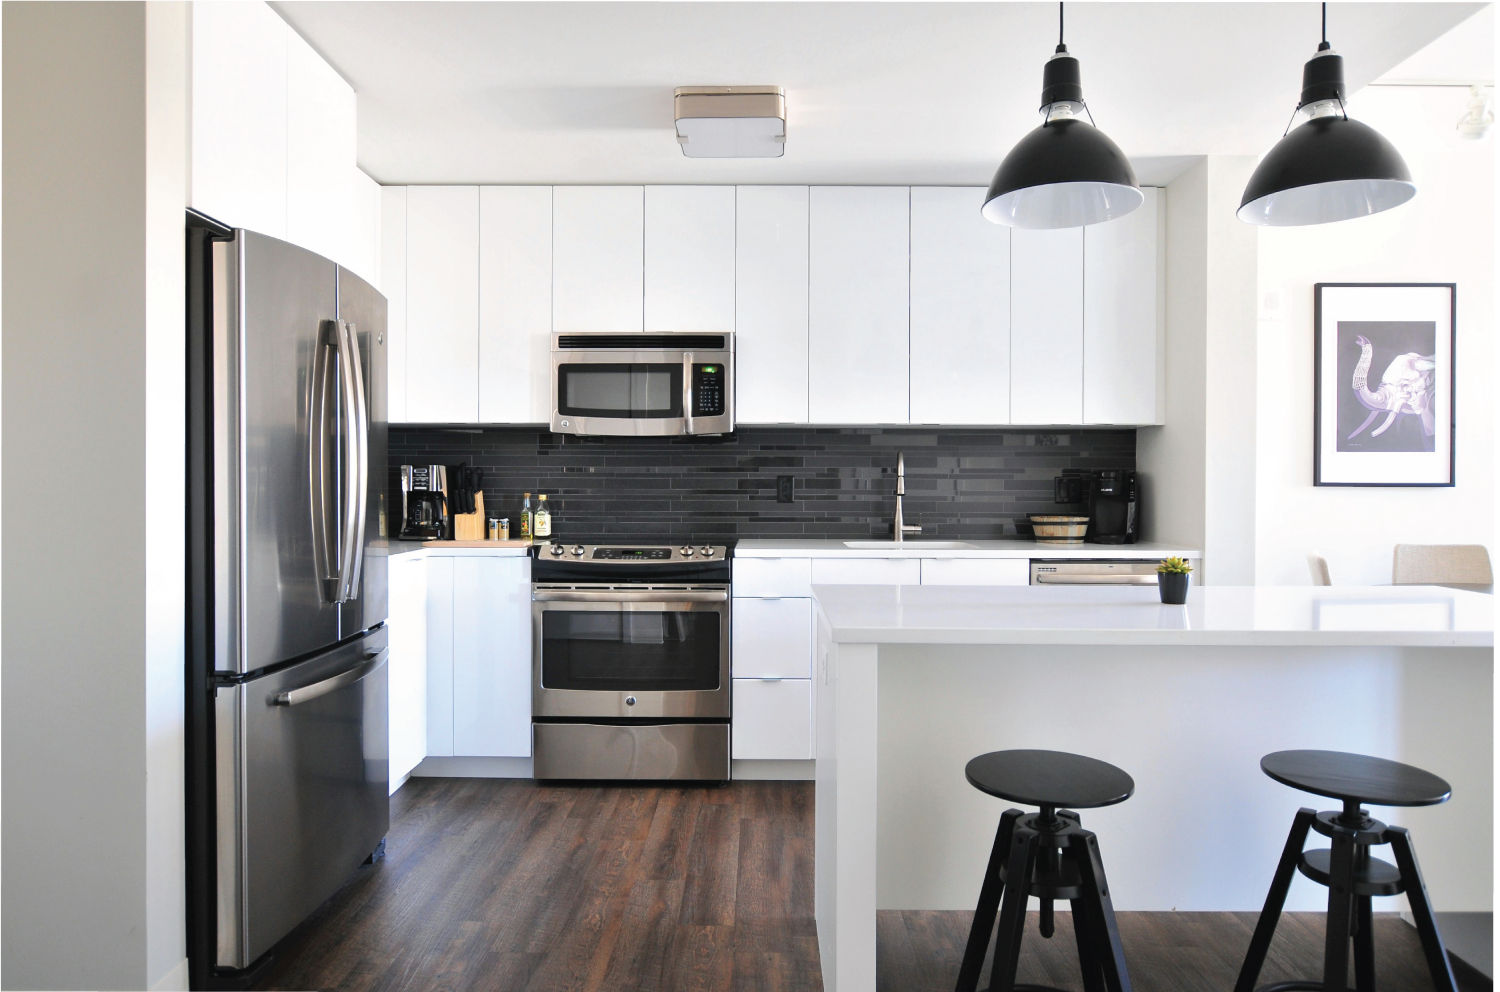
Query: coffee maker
x,y
1114,507
424,502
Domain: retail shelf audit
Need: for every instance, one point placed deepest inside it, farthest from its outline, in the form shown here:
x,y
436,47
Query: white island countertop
x,y
1388,616
936,548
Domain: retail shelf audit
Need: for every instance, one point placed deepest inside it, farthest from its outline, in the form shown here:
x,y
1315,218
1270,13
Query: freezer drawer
x,y
301,780
687,751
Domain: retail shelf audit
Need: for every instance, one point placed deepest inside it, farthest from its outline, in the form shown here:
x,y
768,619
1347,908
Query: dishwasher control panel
x,y
1094,572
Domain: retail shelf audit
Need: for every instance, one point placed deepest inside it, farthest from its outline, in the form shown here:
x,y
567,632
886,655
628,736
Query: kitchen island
x,y
913,681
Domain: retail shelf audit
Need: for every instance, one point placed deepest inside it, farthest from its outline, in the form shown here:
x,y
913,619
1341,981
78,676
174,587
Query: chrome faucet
x,y
900,527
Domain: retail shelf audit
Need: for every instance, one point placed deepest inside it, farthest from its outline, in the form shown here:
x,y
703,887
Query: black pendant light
x,y
1330,167
1066,173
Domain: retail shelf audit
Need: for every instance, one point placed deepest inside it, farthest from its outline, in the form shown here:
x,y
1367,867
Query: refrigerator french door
x,y
286,680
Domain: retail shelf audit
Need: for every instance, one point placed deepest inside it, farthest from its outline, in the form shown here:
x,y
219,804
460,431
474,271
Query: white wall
x,y
1445,234
1198,469
94,186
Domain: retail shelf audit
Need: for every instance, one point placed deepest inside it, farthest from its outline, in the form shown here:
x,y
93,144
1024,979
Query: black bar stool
x,y
1050,856
1351,874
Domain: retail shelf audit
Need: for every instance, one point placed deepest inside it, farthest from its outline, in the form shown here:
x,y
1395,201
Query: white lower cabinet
x,y
772,719
407,665
866,571
772,638
976,571
478,656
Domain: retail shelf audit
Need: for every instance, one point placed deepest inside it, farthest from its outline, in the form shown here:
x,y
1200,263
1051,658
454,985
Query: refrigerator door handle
x,y
307,693
356,462
321,464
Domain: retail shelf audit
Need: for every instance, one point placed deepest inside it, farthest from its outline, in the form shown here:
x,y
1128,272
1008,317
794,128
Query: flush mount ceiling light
x,y
1328,168
1066,173
731,121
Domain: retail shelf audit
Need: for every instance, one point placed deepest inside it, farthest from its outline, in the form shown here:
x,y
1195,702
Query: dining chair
x,y
1441,564
1319,567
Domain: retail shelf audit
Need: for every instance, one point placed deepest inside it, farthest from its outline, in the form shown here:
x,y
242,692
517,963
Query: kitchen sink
x,y
914,545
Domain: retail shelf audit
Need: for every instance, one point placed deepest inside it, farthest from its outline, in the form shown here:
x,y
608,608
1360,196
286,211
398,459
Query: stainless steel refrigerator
x,y
286,679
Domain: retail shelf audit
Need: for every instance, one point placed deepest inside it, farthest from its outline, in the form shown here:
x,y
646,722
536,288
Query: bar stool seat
x,y
1049,855
1351,874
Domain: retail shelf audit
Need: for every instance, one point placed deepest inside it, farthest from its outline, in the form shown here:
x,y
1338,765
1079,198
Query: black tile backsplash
x,y
960,483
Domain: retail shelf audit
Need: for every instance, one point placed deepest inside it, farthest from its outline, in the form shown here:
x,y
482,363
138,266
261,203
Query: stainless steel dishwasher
x,y
1095,572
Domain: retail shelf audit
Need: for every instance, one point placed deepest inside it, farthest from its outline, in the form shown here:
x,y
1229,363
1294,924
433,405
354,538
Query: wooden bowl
x,y
1050,529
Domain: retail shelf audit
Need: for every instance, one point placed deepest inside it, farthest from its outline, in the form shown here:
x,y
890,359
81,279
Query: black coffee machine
x,y
1114,507
424,502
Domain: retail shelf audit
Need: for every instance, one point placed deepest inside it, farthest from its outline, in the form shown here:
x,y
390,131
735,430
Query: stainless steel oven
x,y
643,384
630,662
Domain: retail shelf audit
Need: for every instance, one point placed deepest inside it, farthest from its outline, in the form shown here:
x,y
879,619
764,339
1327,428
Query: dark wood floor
x,y
493,884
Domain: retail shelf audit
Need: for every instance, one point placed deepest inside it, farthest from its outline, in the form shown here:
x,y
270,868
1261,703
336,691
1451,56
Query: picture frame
x,y
1383,383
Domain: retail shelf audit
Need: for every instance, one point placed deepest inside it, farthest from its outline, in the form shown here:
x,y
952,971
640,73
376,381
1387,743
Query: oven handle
x,y
658,596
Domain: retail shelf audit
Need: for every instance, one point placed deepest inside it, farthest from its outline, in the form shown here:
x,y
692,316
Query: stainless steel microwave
x,y
643,384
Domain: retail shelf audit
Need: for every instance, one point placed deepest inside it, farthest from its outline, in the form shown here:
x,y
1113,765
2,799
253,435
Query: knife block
x,y
470,526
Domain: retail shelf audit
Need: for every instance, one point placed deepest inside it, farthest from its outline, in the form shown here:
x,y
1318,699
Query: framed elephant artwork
x,y
1383,384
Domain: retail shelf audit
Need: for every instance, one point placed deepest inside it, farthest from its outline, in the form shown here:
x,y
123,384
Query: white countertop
x,y
918,548
1394,616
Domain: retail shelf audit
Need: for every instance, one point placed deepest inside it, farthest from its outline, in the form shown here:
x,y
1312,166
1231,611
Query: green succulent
x,y
1174,565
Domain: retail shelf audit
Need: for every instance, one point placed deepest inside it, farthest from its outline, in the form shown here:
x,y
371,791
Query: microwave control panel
x,y
708,390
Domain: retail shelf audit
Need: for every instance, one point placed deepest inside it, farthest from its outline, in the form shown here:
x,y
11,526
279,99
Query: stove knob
x,y
685,551
578,551
706,552
557,549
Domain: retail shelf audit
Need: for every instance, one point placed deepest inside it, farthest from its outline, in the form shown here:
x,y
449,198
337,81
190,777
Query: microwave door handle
x,y
687,392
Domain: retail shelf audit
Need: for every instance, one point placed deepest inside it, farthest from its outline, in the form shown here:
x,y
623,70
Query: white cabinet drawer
x,y
772,577
867,571
772,719
772,638
976,572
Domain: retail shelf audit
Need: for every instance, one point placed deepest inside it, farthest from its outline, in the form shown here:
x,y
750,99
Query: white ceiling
x,y
901,93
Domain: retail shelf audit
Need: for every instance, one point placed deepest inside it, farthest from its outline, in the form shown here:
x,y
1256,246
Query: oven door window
x,y
631,650
625,392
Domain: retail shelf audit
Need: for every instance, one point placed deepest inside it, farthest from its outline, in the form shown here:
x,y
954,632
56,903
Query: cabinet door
x,y
492,657
867,571
960,309
515,304
772,577
770,380
1123,328
689,258
239,115
858,267
772,719
976,571
772,638
440,656
1046,326
597,260
442,304
408,665
393,285
320,163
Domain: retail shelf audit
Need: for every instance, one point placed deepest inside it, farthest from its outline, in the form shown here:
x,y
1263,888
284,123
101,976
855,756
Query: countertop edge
x,y
1166,638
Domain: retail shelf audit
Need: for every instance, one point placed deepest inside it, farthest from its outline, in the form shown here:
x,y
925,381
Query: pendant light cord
x,y
1324,46
1062,47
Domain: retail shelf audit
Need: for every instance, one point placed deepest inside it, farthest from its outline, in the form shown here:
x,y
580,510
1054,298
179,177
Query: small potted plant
x,y
1172,577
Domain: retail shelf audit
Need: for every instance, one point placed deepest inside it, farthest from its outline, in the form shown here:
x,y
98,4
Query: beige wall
x,y
94,186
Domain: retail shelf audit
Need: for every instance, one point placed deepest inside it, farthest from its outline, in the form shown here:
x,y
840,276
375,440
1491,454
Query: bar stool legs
x,y
1352,877
1048,855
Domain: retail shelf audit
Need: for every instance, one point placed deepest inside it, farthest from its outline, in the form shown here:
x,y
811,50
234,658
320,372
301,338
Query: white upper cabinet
x,y
597,258
1123,326
442,297
858,332
960,309
771,305
515,304
320,167
689,270
1046,326
239,173
393,285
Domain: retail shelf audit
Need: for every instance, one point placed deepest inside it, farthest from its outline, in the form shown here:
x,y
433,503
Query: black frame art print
x,y
1383,374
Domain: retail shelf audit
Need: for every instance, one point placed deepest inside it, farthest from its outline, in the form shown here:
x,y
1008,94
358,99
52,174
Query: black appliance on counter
x,y
1112,500
424,502
630,662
